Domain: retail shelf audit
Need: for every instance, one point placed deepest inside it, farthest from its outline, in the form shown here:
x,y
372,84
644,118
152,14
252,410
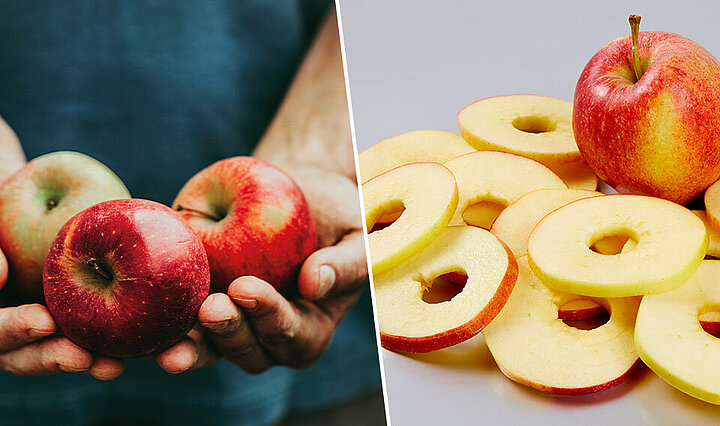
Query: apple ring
x,y
428,194
713,235
412,147
672,342
408,323
671,243
535,348
497,177
537,127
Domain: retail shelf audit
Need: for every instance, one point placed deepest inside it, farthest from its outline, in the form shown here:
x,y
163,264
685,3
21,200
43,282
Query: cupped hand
x,y
254,326
30,346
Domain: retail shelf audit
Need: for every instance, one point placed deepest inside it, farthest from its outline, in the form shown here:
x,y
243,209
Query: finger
x,y
295,335
192,352
335,270
106,368
24,324
231,334
56,355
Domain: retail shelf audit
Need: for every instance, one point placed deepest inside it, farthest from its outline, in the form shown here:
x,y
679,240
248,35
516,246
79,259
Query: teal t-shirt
x,y
158,90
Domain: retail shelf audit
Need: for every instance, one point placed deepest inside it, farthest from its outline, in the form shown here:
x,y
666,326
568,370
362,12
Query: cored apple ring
x,y
416,146
498,177
671,243
408,323
537,127
671,340
535,348
426,194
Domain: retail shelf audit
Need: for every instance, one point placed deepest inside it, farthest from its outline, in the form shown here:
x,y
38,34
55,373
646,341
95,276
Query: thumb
x,y
335,270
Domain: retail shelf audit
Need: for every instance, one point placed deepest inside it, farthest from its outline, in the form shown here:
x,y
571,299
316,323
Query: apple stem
x,y
50,204
93,263
635,31
208,215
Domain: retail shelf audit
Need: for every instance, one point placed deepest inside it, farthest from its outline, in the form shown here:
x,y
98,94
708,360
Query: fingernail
x,y
248,304
217,326
69,369
326,279
36,332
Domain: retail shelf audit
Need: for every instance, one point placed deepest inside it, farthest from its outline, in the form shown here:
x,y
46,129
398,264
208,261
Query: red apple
x,y
36,202
253,220
649,123
126,278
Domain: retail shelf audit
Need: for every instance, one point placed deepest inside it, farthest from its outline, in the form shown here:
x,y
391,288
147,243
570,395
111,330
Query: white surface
x,y
414,65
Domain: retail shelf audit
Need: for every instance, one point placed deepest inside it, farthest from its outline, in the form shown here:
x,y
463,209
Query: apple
x,y
126,278
671,340
426,194
580,309
671,243
647,114
418,146
535,348
533,126
36,202
253,220
12,156
410,323
497,178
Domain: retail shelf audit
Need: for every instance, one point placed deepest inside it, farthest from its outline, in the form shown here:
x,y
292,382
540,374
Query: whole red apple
x,y
253,220
126,278
36,202
649,122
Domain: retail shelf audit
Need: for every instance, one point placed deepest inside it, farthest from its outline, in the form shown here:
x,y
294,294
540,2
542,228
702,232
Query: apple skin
x,y
265,228
574,391
658,136
160,277
73,182
466,331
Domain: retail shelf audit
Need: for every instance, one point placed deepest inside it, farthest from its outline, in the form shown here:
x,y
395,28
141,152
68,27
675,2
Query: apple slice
x,y
533,347
713,235
537,127
427,195
409,323
671,243
577,176
412,147
671,341
514,225
710,321
498,178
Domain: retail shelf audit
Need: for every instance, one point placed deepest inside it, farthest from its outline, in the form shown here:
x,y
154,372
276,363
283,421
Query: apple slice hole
x,y
709,318
613,244
389,215
483,213
583,314
534,124
443,288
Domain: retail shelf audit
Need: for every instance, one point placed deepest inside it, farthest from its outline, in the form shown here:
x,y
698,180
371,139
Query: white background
x,y
414,65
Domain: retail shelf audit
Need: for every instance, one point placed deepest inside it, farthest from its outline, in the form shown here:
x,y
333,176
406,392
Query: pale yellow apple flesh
x,y
498,177
577,176
436,146
713,235
533,347
514,225
408,323
671,243
537,127
428,194
671,341
712,205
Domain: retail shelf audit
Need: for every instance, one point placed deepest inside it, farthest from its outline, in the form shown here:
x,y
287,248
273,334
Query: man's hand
x,y
254,326
29,345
